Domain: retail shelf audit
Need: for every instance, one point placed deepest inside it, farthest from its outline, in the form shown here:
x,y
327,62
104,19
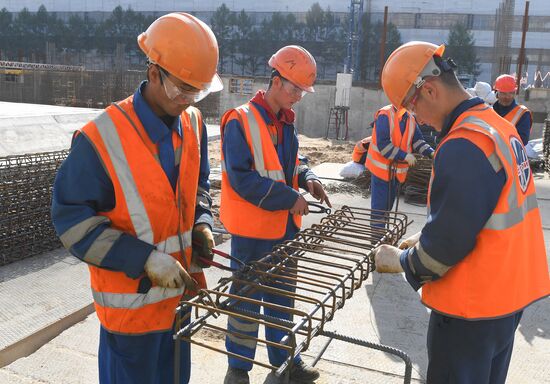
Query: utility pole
x,y
383,45
521,57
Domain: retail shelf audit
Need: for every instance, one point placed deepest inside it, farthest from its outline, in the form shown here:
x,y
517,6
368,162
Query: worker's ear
x,y
430,91
153,74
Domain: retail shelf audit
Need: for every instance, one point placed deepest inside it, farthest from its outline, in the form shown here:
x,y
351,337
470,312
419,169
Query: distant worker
x,y
480,258
260,203
132,196
506,106
395,137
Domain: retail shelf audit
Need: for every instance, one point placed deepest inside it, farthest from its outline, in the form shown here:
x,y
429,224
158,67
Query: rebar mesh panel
x,y
25,198
418,179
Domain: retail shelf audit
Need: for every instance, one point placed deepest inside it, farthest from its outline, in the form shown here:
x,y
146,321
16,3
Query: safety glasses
x,y
179,94
291,89
409,103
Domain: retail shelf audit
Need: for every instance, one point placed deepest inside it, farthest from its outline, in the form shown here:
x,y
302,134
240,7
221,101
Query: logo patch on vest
x,y
522,161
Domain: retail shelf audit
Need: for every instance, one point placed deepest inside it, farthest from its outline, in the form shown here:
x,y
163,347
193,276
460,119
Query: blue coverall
x,y
523,126
465,190
380,189
81,189
273,196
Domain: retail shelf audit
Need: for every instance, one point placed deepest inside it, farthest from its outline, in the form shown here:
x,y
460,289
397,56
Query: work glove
x,y
410,159
386,259
203,242
165,271
410,242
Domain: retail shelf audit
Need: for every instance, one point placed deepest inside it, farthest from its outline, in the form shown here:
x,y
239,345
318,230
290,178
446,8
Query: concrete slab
x,y
33,128
40,296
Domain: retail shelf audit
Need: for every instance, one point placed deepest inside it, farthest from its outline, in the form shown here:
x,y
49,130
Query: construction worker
x,y
390,156
506,106
260,203
480,258
132,196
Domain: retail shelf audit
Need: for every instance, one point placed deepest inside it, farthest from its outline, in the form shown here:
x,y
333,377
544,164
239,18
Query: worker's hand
x,y
315,189
410,242
203,242
165,271
386,259
410,159
300,207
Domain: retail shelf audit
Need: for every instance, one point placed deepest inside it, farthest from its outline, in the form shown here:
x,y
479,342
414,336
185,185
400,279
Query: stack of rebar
x,y
546,145
317,271
25,198
415,188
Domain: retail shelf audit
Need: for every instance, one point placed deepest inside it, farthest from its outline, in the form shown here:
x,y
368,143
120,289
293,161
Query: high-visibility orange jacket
x,y
507,270
516,113
376,162
148,208
239,216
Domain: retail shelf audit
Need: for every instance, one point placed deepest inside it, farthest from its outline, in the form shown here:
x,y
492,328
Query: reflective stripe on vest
x,y
401,168
509,248
515,114
511,216
259,164
263,224
136,209
140,221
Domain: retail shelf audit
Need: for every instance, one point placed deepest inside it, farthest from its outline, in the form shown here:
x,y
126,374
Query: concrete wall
x,y
312,112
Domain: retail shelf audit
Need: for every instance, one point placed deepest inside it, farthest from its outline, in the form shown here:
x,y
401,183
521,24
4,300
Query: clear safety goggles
x,y
409,102
292,89
184,94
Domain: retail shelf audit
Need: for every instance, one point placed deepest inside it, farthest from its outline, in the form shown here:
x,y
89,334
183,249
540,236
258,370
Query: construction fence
x,y
77,87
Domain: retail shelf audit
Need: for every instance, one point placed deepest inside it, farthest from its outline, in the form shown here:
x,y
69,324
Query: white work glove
x,y
165,271
410,159
410,242
386,259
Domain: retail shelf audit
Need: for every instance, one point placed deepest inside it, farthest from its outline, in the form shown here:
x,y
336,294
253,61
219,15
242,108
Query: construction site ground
x,y
47,315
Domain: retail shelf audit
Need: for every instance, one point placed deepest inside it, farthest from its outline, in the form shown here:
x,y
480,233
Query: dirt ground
x,y
317,150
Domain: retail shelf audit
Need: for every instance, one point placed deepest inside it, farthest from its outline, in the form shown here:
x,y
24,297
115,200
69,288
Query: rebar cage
x,y
318,270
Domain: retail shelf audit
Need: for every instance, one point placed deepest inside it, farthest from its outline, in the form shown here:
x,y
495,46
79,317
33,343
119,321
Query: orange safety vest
x,y
376,163
516,113
146,207
239,216
507,270
359,149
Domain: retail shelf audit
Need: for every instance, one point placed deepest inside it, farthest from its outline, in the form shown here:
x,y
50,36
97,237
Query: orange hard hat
x,y
297,65
406,67
185,47
505,83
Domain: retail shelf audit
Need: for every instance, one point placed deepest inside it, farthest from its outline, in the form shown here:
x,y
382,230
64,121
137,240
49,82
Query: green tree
x,y
7,39
222,23
460,46
371,38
